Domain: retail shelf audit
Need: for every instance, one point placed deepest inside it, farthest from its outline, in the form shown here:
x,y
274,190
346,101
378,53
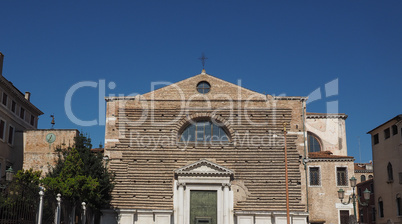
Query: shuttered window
x,y
315,176
341,176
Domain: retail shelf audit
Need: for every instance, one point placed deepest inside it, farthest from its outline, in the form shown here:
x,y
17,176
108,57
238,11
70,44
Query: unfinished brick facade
x,y
142,142
39,151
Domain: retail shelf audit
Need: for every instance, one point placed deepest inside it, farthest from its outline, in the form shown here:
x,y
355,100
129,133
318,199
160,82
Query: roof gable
x,y
187,90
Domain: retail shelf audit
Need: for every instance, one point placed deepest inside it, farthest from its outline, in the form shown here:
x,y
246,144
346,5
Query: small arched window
x,y
370,176
390,172
314,144
380,207
398,204
204,131
362,178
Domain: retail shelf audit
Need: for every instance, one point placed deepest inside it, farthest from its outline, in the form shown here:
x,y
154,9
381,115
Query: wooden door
x,y
344,216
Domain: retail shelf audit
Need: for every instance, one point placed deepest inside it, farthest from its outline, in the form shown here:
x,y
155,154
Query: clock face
x,y
50,138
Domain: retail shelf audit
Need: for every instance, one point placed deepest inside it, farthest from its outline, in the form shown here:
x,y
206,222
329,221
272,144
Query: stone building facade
x,y
329,168
40,147
387,154
205,143
17,114
367,213
364,171
205,151
364,176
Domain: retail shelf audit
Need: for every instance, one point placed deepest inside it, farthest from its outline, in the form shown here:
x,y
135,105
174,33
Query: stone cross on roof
x,y
203,59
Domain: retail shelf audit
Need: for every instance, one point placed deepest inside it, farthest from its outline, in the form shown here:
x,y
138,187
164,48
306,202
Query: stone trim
x,y
290,98
363,171
332,160
224,199
211,176
324,116
215,169
268,213
136,216
274,217
182,124
154,211
114,98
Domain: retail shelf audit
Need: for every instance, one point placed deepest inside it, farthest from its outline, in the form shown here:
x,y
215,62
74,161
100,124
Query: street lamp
x,y
353,197
9,174
9,178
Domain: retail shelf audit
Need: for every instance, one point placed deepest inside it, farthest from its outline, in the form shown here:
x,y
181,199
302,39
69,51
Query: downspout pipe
x,y
303,101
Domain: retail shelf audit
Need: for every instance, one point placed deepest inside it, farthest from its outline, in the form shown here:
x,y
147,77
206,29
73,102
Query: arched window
x,y
380,207
390,172
314,144
370,176
362,178
204,131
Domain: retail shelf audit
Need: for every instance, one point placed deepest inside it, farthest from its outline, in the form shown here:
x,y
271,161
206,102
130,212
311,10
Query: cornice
x,y
116,98
324,116
331,160
11,89
300,98
363,171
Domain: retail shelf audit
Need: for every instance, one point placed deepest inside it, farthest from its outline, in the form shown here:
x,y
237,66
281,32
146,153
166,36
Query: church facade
x,y
204,150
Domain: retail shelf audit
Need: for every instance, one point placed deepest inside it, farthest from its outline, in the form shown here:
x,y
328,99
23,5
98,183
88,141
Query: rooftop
x,y
396,118
326,155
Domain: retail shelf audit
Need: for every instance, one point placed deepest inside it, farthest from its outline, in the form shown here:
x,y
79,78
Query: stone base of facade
x,y
270,217
134,216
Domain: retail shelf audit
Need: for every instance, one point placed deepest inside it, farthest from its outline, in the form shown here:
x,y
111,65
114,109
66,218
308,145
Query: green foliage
x,y
21,193
80,175
25,182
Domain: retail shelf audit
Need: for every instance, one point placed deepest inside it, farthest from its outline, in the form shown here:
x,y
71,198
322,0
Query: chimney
x,y
1,63
28,96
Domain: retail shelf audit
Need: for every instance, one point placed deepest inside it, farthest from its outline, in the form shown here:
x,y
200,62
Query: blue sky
x,y
274,47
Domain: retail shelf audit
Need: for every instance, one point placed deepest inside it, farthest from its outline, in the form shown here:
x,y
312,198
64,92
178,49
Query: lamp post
x,y
9,174
353,196
9,178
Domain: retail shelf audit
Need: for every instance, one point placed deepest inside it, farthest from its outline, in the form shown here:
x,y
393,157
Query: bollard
x,y
84,215
41,193
58,209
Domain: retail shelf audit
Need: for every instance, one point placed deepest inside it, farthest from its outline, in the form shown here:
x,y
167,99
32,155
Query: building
x,y
367,212
204,150
364,175
17,114
364,171
329,168
40,147
386,142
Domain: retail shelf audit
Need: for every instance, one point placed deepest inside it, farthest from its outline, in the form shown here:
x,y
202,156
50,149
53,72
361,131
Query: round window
x,y
203,87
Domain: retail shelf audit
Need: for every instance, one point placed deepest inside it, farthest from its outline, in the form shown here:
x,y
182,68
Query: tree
x,y
81,176
20,199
